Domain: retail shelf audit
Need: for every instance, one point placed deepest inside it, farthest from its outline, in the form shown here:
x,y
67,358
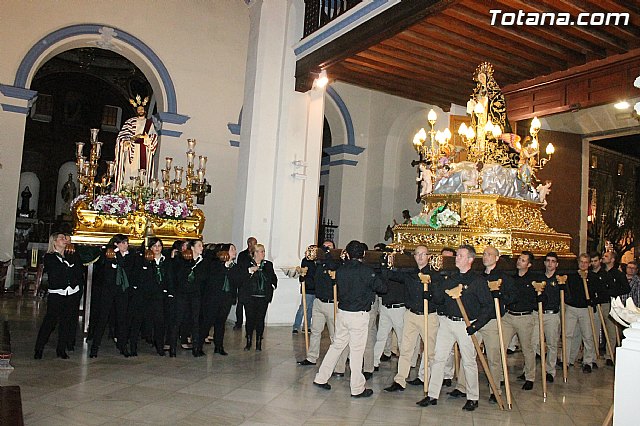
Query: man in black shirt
x,y
323,309
413,324
551,315
244,261
476,299
357,288
578,323
615,284
521,303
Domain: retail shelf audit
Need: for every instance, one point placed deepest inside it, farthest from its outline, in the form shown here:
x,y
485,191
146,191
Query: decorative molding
x,y
170,133
235,144
343,149
324,172
173,118
344,111
104,34
14,108
17,92
343,162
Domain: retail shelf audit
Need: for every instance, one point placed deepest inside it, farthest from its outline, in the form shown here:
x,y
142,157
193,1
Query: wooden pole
x,y
456,361
495,286
606,333
596,343
562,281
304,313
455,293
426,279
539,286
332,274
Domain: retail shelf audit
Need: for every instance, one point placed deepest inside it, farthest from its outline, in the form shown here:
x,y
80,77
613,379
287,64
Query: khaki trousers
x,y
390,318
414,327
523,326
551,336
323,315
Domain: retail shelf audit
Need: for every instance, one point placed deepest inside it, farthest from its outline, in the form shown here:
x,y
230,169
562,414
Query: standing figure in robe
x,y
135,146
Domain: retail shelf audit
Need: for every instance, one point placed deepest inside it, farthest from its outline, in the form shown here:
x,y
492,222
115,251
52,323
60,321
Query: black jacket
x,y
201,275
413,287
157,280
357,286
310,278
250,283
615,283
62,272
130,264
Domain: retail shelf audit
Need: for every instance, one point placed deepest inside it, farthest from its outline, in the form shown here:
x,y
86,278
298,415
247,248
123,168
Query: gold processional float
x,y
492,197
136,210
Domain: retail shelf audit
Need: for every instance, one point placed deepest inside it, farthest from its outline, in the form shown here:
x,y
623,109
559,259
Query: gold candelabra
x,y
88,167
195,181
438,145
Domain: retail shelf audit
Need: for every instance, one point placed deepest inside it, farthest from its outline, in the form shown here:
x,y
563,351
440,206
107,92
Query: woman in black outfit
x,y
218,298
64,278
157,284
256,293
120,273
191,277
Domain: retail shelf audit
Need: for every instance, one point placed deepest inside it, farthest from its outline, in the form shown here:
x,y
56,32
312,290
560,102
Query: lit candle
x,y
111,167
201,175
550,149
98,147
192,144
94,135
178,171
168,161
81,161
203,162
447,135
165,175
79,149
478,109
462,130
190,156
432,117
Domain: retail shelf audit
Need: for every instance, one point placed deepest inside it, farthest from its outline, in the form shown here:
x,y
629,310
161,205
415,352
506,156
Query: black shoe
x,y
609,363
538,356
470,405
492,399
385,358
549,378
294,331
160,352
37,354
594,366
134,352
335,374
94,352
365,394
367,375
456,393
528,385
306,362
248,345
325,386
427,401
124,352
445,382
415,382
394,387
510,352
258,343
237,327
222,351
586,368
376,368
521,377
172,353
62,355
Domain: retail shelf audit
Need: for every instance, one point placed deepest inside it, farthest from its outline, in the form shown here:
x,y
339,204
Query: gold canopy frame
x,y
511,225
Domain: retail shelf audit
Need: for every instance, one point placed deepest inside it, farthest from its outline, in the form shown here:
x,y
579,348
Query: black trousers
x,y
170,319
112,296
239,314
188,313
214,314
256,309
61,311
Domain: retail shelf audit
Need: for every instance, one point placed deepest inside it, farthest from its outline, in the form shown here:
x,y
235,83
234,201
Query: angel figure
x,y
543,191
425,178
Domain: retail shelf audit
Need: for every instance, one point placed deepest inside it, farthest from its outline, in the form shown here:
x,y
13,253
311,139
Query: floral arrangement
x,y
128,190
443,216
115,205
75,201
167,208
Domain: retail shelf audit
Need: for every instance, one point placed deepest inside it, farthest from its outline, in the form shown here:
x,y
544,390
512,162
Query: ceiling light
x,y
622,105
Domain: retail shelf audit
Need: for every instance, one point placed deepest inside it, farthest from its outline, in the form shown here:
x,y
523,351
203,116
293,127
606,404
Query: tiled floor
x,y
255,387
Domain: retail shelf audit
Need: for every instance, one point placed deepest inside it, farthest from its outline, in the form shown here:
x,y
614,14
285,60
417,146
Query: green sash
x,y
121,278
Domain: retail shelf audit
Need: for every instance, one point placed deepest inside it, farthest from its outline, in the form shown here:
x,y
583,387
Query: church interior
x,y
295,122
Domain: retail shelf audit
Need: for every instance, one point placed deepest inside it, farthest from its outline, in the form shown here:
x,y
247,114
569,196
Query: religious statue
x,y
543,191
24,203
425,178
135,146
68,192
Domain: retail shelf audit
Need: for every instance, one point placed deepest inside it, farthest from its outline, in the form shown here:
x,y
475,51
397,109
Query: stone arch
x,y
105,37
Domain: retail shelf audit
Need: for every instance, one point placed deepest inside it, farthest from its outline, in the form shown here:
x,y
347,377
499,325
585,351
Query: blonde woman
x,y
64,278
256,292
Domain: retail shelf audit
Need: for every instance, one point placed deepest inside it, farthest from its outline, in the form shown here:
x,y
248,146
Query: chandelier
x,y
438,145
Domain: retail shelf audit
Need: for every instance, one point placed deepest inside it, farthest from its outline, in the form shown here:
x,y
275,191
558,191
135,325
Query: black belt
x,y
416,311
454,318
394,305
551,311
519,314
325,300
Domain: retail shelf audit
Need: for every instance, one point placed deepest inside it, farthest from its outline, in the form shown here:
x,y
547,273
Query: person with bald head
x,y
414,315
244,262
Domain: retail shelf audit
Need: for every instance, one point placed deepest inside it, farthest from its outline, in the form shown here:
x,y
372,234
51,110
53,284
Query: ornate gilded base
x,y
511,225
97,229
